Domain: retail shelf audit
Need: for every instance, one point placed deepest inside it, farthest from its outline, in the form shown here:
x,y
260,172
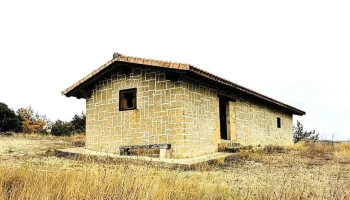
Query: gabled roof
x,y
176,66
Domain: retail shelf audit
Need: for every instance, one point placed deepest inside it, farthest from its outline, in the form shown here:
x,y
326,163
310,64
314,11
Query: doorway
x,y
223,117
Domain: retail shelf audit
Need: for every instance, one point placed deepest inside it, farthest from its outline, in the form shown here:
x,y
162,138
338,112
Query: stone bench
x,y
164,149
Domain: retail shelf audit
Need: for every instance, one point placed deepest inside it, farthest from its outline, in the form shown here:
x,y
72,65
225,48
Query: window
x,y
278,122
127,99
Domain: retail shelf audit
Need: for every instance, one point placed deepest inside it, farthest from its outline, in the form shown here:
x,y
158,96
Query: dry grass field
x,y
29,169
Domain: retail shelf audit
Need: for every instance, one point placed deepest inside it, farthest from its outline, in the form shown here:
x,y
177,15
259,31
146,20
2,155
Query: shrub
x,y
64,128
9,121
249,147
32,122
79,123
61,128
299,133
269,149
312,149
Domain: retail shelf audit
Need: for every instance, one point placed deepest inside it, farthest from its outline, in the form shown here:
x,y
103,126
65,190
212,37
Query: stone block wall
x,y
158,118
256,124
201,113
184,113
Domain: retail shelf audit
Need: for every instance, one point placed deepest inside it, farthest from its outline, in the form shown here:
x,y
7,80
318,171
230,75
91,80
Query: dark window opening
x,y
127,99
278,122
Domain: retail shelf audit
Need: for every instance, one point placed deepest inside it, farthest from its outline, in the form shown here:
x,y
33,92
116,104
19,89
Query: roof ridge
x,y
118,57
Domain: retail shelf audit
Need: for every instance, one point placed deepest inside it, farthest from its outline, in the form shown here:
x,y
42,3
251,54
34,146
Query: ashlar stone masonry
x,y
177,104
184,113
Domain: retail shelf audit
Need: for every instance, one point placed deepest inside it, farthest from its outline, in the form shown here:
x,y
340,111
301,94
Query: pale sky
x,y
297,52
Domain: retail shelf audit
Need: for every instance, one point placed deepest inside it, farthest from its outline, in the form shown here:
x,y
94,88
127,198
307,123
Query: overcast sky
x,y
297,51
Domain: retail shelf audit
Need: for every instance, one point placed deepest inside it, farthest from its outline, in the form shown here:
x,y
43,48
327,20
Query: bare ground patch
x,y
17,150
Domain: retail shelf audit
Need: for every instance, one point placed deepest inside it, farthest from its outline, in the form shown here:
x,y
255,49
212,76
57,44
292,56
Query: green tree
x,y
9,121
299,133
61,128
79,123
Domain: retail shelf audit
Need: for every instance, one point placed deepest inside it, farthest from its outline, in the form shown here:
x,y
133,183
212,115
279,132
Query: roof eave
x,y
245,90
72,90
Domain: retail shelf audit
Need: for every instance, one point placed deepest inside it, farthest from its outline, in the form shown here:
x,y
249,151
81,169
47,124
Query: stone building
x,y
137,101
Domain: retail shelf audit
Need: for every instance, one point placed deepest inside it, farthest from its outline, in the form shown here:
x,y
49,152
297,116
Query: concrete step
x,y
186,163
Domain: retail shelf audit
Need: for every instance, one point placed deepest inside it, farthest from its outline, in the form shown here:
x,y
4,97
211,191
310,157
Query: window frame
x,y
128,91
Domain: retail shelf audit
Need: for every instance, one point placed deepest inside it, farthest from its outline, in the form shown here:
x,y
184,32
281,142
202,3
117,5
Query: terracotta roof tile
x,y
181,66
147,62
138,61
175,65
155,63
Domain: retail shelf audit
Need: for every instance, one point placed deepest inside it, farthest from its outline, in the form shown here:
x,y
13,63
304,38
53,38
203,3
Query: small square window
x,y
127,99
278,122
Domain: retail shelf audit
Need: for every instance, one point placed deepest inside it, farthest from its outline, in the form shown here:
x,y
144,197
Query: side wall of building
x,y
184,113
256,124
248,122
158,118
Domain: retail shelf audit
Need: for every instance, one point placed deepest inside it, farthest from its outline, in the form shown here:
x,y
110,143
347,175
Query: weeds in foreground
x,y
269,149
293,177
124,181
342,150
314,149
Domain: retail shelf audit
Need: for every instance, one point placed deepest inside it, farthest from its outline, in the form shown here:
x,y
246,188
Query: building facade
x,y
135,101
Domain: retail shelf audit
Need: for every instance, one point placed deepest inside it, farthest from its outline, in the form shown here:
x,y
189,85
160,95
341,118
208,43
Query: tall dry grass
x,y
47,136
76,139
146,183
272,173
342,150
124,181
329,150
103,182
